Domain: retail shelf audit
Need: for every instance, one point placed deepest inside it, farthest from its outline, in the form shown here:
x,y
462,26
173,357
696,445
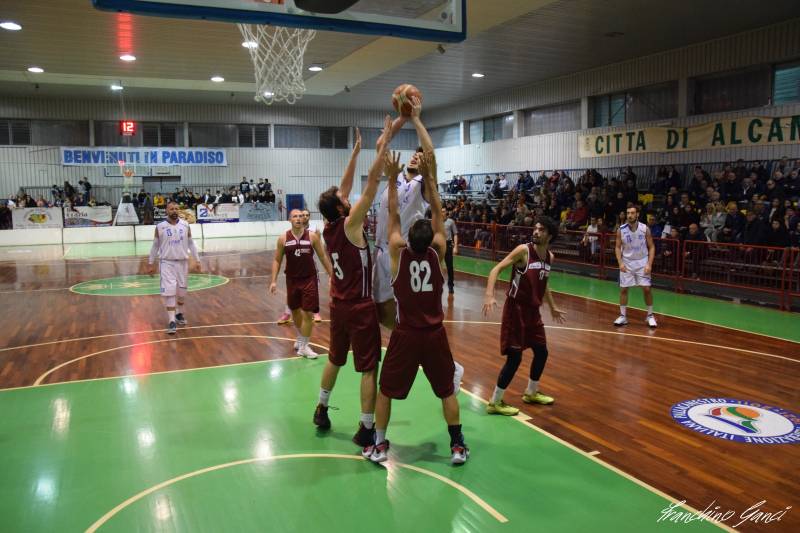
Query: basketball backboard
x,y
427,20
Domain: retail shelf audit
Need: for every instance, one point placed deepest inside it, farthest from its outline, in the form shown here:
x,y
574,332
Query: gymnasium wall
x,y
310,171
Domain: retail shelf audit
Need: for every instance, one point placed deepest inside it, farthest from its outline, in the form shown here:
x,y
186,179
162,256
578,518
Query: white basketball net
x,y
278,61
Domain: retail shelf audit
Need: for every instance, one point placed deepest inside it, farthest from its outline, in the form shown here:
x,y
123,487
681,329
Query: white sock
x,y
179,310
302,342
368,419
498,394
324,396
380,435
649,309
533,386
287,310
171,314
623,310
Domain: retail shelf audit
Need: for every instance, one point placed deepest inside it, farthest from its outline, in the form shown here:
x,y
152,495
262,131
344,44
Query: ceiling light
x,y
268,94
127,57
116,87
250,44
10,26
217,79
315,68
35,70
477,75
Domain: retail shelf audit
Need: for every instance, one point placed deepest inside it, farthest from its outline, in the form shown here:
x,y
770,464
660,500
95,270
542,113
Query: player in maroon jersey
x,y
419,338
354,317
302,292
522,325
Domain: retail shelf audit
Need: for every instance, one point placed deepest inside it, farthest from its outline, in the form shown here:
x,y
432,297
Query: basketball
x,y
401,98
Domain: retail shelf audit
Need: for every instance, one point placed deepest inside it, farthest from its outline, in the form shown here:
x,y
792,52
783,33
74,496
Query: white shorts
x,y
173,277
634,277
382,277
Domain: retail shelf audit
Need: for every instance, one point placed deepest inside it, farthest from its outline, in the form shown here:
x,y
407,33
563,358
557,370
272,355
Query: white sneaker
x,y
651,321
296,345
621,320
459,373
307,352
380,452
460,453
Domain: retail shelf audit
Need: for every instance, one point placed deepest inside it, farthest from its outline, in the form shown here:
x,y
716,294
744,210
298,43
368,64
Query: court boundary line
x,y
644,310
593,457
50,371
227,280
155,488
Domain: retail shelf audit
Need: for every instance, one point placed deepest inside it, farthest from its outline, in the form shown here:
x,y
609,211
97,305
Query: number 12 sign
x,y
127,128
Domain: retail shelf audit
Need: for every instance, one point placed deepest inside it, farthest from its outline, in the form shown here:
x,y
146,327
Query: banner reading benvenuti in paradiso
x,y
729,133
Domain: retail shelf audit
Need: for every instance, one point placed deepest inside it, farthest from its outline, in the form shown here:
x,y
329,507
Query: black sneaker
x,y
180,320
321,417
364,437
172,328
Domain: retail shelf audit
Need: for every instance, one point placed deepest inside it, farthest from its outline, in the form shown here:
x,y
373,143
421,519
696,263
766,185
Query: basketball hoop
x,y
277,54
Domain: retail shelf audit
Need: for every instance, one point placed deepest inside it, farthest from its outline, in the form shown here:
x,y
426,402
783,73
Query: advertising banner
x,y
258,212
81,216
744,131
86,156
217,213
36,217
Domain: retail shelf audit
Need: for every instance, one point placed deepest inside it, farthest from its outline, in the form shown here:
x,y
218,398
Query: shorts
x,y
303,293
355,323
634,277
382,290
173,277
408,350
521,327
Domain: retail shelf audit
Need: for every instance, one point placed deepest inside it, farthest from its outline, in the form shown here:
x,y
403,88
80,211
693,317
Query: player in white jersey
x,y
635,254
173,245
412,202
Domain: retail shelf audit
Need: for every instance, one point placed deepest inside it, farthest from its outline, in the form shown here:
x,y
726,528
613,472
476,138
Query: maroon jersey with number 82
x,y
418,289
352,266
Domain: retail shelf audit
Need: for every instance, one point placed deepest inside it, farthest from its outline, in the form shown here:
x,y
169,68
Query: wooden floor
x,y
613,388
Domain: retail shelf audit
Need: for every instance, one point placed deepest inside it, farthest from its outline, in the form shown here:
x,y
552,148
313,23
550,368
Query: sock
x,y
498,394
533,386
302,342
455,434
623,310
649,309
324,396
179,309
171,314
380,435
368,419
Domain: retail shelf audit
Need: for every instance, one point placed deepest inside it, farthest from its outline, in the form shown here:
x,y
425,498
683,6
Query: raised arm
x,y
397,125
427,167
316,242
349,171
517,255
424,140
396,241
276,264
358,211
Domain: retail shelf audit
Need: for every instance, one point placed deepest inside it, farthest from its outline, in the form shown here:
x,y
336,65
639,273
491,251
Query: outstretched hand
x,y
416,106
357,142
392,167
426,163
386,136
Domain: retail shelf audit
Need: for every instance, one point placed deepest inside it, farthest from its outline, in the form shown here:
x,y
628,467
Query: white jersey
x,y
634,244
173,241
410,203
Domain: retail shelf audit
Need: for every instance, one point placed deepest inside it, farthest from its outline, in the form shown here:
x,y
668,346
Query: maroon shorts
x,y
355,323
303,293
522,327
408,350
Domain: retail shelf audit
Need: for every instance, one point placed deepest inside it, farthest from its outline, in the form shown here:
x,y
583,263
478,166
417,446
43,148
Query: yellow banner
x,y
746,131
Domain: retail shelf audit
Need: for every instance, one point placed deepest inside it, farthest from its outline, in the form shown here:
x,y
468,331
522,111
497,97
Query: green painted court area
x,y
251,460
142,285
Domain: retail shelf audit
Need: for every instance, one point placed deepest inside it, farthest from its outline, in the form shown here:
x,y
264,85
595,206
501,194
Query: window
x,y
446,136
731,91
786,87
636,105
491,129
149,134
245,136
15,132
154,134
405,139
333,137
261,136
214,135
44,132
551,119
296,137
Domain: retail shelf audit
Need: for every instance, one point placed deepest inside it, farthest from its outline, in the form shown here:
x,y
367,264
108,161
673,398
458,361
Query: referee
x,y
451,234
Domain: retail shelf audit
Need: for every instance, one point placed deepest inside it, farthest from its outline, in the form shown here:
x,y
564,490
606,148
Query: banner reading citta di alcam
x,y
105,156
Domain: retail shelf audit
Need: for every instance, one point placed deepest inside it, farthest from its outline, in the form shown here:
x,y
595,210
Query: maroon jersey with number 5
x,y
352,265
418,289
528,285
